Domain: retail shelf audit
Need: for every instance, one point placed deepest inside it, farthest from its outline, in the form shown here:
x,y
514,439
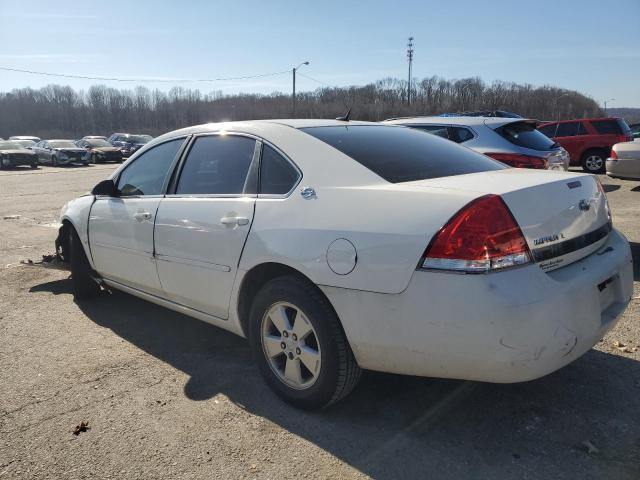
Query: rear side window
x,y
438,130
217,165
460,134
400,154
524,134
568,129
582,130
607,127
549,130
277,175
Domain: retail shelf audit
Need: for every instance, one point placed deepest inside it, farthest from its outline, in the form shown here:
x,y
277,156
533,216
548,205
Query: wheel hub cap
x,y
291,345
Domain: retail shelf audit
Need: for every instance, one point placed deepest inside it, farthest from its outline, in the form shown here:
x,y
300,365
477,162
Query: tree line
x,y
58,111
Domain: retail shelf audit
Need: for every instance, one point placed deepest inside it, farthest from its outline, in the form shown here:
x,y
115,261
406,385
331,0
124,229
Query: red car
x,y
588,140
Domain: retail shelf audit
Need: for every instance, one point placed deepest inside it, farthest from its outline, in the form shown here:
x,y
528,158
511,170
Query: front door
x,y
121,228
201,228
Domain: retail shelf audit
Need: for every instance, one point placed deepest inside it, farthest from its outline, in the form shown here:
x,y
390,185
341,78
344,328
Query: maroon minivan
x,y
588,140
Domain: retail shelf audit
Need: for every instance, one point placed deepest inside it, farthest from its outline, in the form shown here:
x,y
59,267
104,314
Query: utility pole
x,y
605,105
410,58
294,86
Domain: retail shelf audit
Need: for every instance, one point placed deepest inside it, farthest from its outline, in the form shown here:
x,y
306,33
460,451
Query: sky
x,y
590,46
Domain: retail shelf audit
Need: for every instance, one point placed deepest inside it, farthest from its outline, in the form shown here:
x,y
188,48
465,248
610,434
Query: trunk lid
x,y
563,216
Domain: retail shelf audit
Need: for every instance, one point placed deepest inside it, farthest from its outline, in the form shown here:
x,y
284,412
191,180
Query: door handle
x,y
234,221
141,216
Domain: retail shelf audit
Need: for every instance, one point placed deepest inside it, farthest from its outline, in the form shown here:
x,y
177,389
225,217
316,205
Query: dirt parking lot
x,y
166,396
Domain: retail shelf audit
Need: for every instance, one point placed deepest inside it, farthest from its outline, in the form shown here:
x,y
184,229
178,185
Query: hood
x,y
22,151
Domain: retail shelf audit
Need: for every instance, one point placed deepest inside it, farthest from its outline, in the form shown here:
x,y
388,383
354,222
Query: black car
x,y
100,151
129,143
13,154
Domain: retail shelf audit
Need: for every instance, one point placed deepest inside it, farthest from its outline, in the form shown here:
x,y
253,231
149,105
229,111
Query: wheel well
x,y
63,241
594,149
255,279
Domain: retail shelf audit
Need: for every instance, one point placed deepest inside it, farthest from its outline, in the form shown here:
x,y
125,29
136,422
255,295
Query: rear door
x,y
121,229
567,136
202,226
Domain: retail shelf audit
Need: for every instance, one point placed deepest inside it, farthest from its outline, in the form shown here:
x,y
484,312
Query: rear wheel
x,y
82,283
34,165
54,161
593,161
299,345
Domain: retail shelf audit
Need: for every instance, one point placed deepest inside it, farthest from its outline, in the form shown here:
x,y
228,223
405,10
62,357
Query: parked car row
x,y
23,150
337,246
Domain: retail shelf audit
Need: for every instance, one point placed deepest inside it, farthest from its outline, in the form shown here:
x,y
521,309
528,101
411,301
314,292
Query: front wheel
x,y
34,166
54,162
593,161
299,344
82,283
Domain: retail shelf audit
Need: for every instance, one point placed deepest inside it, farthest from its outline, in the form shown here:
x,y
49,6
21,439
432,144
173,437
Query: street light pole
x,y
294,86
605,105
557,106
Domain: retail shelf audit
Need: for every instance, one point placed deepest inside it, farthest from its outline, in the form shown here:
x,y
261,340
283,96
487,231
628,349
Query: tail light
x,y
519,161
482,237
614,155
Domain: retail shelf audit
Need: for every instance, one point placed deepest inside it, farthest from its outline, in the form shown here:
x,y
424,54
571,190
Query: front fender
x,y
76,212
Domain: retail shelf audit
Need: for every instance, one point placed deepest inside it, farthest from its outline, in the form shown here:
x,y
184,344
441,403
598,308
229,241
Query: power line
x,y
148,80
316,80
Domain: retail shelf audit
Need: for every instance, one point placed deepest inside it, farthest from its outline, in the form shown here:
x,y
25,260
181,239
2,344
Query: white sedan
x,y
336,246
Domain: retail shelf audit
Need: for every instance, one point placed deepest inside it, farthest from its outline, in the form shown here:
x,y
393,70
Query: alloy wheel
x,y
291,345
594,163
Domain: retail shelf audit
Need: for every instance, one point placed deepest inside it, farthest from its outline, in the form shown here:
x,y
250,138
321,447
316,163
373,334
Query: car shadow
x,y
636,189
394,426
608,187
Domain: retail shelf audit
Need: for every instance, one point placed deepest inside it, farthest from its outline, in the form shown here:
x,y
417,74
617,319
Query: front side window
x,y
399,154
146,175
567,129
277,175
217,165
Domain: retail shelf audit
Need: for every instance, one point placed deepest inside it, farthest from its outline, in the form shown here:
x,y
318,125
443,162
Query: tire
x,y
94,159
34,166
593,161
325,346
54,162
82,284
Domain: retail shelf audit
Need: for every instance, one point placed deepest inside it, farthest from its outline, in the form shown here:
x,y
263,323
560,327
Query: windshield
x,y
98,143
26,143
62,144
138,138
400,154
524,134
10,146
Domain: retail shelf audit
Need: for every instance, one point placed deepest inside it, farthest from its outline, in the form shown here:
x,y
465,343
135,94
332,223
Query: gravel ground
x,y
166,396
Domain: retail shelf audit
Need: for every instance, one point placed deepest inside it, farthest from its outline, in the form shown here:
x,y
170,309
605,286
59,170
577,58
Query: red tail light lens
x,y
614,155
481,237
519,161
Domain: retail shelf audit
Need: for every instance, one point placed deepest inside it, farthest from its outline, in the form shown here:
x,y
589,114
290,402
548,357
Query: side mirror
x,y
106,188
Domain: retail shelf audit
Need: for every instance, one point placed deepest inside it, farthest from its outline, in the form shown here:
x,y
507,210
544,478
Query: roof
x,y
469,121
580,119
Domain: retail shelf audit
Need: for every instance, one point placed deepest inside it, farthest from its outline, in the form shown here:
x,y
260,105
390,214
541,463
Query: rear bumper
x,y
624,168
511,326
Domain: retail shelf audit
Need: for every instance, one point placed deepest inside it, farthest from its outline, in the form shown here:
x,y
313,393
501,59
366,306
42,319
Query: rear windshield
x,y
607,127
524,134
62,144
400,154
97,142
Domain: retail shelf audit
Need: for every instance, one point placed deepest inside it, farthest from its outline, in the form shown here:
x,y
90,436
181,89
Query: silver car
x,y
624,161
513,141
